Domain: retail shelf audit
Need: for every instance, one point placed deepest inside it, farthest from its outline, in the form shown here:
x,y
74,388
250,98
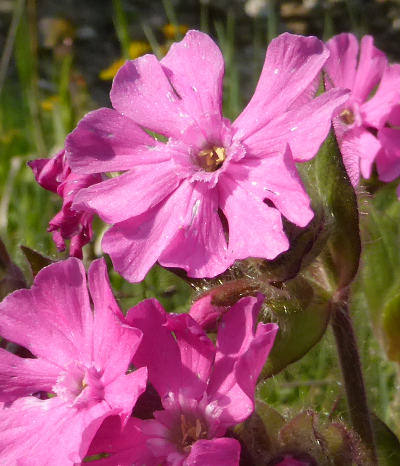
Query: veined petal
x,y
127,446
359,149
24,376
124,391
215,452
158,350
376,111
142,92
342,62
241,353
304,128
136,244
197,355
129,194
195,67
53,319
255,230
106,141
68,431
388,161
371,65
290,67
114,343
275,177
200,247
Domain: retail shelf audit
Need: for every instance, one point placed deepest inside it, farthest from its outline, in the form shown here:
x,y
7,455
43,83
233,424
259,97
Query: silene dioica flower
x,y
55,175
205,191
53,403
367,126
204,389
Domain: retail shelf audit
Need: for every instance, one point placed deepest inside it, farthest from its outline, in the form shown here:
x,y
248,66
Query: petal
x,y
141,91
304,128
200,247
53,319
114,344
205,313
135,244
255,230
195,67
241,353
388,161
24,376
376,111
158,350
48,172
371,65
127,446
291,65
275,177
359,149
48,431
215,452
122,394
197,355
106,141
342,62
130,194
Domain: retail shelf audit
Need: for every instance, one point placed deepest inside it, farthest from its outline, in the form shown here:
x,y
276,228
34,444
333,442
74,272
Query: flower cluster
x,y
367,126
87,366
183,186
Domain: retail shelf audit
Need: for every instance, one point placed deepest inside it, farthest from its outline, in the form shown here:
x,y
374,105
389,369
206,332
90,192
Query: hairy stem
x,y
350,363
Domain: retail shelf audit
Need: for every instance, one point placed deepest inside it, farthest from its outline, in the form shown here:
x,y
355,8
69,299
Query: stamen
x,y
211,159
347,116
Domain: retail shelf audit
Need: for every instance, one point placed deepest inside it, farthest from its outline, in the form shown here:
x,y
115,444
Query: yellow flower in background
x,y
49,103
108,73
172,31
137,48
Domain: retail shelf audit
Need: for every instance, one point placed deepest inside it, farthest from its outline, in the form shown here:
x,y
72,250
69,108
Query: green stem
x,y
350,363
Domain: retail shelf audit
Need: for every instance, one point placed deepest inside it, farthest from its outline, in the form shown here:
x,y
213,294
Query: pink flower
x,y
55,175
358,127
177,200
81,358
388,159
204,390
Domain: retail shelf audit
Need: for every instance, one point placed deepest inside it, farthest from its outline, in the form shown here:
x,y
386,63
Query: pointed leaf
x,y
387,443
11,276
36,260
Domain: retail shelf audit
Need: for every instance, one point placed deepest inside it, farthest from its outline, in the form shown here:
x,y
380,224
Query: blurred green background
x,y
57,62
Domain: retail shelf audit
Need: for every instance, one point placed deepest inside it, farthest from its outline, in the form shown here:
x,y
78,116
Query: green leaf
x,y
302,313
388,444
11,276
36,260
334,199
380,281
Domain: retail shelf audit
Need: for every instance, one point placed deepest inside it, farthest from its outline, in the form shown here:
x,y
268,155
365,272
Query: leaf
x,y
331,192
302,316
380,280
388,444
36,260
11,276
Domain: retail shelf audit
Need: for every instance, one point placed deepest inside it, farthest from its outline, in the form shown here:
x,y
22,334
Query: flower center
x,y
347,116
191,432
79,385
211,159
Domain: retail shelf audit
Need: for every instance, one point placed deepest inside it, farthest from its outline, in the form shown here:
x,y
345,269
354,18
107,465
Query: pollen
x,y
347,116
211,159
